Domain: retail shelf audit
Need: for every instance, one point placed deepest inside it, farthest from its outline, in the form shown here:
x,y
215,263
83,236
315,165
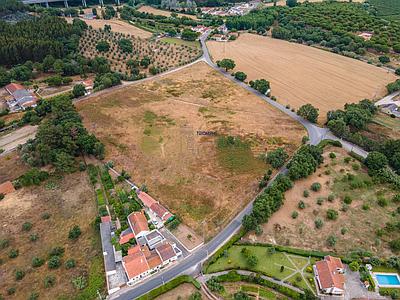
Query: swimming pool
x,y
387,279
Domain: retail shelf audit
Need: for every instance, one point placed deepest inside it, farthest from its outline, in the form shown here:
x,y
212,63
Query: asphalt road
x,y
193,263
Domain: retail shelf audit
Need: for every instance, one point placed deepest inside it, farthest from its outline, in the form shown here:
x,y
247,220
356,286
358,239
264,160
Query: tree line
x,y
303,164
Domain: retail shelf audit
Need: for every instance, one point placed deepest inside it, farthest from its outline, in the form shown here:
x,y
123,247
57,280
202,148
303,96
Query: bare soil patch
x,y
150,130
69,201
359,223
300,74
187,237
155,11
116,26
11,167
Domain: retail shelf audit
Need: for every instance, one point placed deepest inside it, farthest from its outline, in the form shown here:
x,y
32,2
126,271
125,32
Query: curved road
x,y
192,264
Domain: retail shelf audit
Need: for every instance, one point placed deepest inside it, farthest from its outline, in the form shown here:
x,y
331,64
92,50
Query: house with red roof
x,y
138,223
329,275
21,97
158,213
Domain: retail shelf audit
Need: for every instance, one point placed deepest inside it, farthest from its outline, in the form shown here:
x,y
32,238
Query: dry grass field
x,y
300,74
354,228
163,55
150,130
155,11
68,201
117,26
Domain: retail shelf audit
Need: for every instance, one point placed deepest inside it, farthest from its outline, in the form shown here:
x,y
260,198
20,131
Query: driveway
x,y
355,288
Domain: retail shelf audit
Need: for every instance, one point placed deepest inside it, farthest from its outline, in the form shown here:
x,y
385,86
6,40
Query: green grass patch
x,y
384,269
149,144
176,41
266,294
100,197
236,156
249,288
268,264
96,280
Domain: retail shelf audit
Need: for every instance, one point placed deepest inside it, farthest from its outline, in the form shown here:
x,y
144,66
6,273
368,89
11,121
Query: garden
x,y
293,269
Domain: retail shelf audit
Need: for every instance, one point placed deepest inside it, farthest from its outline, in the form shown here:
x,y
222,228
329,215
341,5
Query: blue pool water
x,y
387,279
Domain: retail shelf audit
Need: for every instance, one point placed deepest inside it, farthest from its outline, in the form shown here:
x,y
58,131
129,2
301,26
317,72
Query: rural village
x,y
199,149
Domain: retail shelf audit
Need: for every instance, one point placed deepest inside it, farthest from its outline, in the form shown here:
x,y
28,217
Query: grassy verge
x,y
171,40
170,286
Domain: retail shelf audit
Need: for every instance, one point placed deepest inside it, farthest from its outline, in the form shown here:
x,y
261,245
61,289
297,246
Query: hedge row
x,y
324,143
233,276
153,294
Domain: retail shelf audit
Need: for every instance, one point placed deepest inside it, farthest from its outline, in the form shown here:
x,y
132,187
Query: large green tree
x,y
308,112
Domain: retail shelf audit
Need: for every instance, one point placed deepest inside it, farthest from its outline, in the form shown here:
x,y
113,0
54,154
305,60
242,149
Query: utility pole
x,y
84,3
66,3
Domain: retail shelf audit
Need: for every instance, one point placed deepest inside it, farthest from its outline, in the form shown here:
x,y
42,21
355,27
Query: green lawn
x,y
268,264
100,197
171,40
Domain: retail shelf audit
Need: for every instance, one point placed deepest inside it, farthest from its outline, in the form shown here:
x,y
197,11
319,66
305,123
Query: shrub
x,y
49,281
11,291
347,200
347,159
332,155
316,186
33,296
56,251
2,195
344,230
70,263
74,233
19,274
354,266
33,237
382,202
331,240
395,245
26,226
45,216
355,166
54,262
318,223
320,200
365,206
277,158
306,193
295,214
396,198
4,243
331,197
332,214
252,261
301,205
37,262
13,253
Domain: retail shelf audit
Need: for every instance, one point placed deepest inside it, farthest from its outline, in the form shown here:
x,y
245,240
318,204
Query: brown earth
x,y
150,130
116,26
11,167
69,201
361,224
155,11
300,74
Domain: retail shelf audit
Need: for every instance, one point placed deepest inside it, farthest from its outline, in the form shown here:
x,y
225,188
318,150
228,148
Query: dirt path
x,y
11,140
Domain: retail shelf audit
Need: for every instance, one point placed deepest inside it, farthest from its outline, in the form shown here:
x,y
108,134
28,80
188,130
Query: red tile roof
x,y
165,251
105,219
138,222
6,188
328,273
12,87
146,199
134,249
135,264
160,211
126,238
